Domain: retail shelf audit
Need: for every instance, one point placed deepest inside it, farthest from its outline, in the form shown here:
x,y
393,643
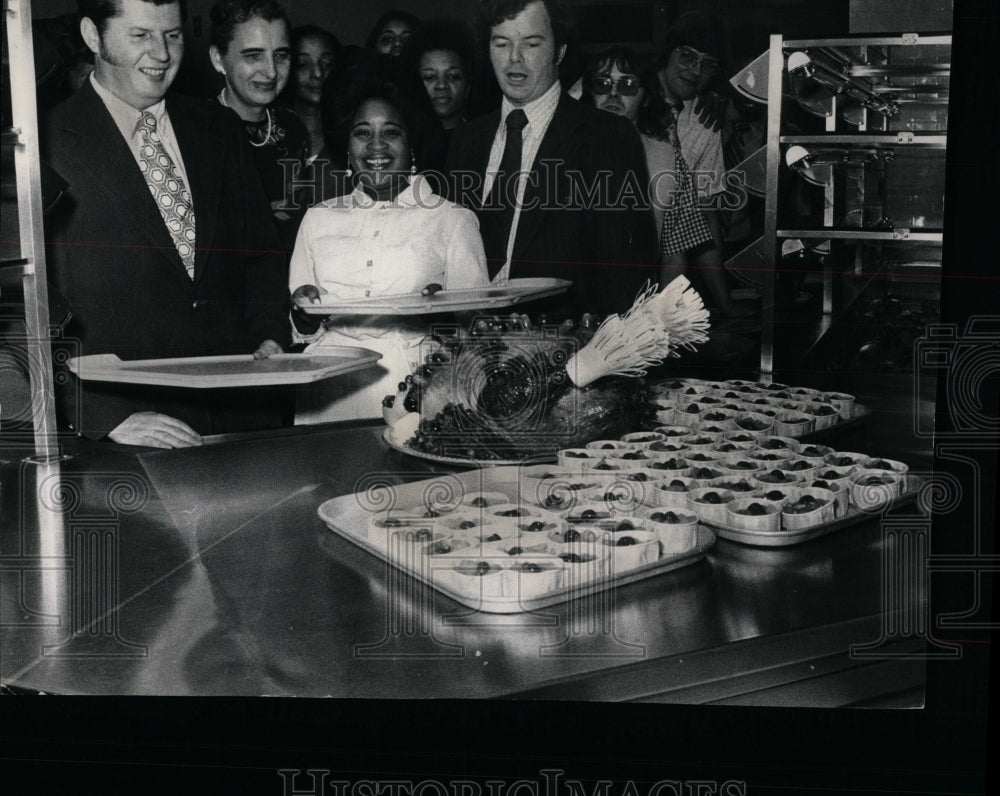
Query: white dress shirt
x,y
701,147
352,247
126,119
539,113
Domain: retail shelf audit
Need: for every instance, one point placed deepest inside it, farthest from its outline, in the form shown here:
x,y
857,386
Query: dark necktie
x,y
503,194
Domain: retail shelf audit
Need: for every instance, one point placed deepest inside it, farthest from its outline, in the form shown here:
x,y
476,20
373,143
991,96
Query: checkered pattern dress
x,y
684,228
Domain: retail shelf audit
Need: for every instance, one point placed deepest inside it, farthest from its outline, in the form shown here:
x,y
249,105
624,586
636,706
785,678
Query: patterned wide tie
x,y
168,189
500,200
683,225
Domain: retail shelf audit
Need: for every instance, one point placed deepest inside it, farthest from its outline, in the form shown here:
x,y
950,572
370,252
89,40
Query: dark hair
x,y
303,32
227,14
339,114
298,35
385,19
625,58
100,11
315,31
649,119
701,30
493,12
441,34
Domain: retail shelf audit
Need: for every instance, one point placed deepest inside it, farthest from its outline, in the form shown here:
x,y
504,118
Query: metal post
x,y
27,165
776,68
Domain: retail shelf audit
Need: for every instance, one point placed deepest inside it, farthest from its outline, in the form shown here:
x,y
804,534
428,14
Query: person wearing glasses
x,y
619,81
691,234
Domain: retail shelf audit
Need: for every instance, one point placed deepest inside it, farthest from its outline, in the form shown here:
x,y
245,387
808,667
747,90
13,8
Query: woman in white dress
x,y
391,235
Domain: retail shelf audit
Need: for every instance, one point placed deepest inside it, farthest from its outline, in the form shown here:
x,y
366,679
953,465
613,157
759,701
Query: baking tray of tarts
x,y
521,538
780,409
754,488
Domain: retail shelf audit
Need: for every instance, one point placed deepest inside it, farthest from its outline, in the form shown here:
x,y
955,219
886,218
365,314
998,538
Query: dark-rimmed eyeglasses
x,y
691,59
625,86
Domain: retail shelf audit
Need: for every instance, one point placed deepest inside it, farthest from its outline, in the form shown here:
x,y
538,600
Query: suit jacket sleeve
x,y
625,238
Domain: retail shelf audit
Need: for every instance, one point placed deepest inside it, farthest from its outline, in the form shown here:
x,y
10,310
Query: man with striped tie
x,y
165,246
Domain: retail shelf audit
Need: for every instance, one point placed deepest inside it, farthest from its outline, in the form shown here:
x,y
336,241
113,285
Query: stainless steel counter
x,y
207,571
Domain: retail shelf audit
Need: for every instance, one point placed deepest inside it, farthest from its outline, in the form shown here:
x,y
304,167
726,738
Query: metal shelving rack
x,y
855,63
30,266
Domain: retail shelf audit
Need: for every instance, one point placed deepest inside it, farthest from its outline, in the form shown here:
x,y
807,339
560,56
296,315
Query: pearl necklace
x,y
268,138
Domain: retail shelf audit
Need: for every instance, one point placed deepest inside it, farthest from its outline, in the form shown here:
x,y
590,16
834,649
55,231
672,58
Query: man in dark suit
x,y
164,244
583,213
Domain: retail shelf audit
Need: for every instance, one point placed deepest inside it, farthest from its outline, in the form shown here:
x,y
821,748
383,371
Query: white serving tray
x,y
481,298
238,370
348,517
783,538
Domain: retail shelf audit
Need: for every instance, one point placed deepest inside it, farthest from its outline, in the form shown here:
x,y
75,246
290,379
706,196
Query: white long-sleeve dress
x,y
354,247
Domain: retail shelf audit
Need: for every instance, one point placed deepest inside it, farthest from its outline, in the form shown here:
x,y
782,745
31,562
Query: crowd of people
x,y
321,171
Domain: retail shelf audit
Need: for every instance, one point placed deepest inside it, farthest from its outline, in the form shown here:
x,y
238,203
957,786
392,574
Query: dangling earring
x,y
347,172
413,163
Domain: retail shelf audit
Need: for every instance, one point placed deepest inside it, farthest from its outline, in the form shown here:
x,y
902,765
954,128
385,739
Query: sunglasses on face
x,y
690,59
625,86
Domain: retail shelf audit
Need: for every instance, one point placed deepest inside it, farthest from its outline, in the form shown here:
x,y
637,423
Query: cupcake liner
x,y
814,451
843,402
802,466
606,447
846,459
793,424
736,517
738,485
789,494
643,439
677,533
667,496
890,465
754,423
730,446
839,490
777,443
739,464
714,513
873,490
576,458
644,549
476,500
701,474
674,432
770,478
794,520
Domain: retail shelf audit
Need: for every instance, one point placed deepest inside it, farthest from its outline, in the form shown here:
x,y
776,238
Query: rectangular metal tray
x,y
238,370
348,516
784,538
491,297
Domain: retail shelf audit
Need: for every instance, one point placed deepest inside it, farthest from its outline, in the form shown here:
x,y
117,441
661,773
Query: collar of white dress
x,y
417,194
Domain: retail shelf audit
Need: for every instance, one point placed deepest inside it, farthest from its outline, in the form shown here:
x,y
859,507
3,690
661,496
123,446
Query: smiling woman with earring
x,y
392,234
250,48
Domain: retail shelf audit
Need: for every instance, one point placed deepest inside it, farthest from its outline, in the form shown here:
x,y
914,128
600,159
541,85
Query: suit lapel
x,y
114,173
204,154
559,145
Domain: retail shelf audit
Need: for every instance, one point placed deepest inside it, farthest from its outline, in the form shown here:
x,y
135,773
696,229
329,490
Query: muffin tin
x,y
753,407
771,491
492,542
